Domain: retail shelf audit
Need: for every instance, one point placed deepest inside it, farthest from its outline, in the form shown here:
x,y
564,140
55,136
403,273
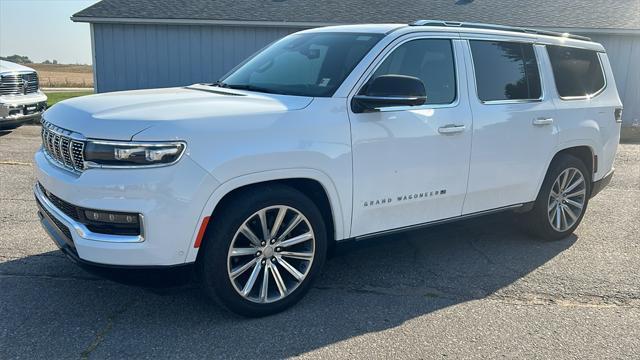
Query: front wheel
x,y
562,201
263,251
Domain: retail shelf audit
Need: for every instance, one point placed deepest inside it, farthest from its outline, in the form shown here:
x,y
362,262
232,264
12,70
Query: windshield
x,y
313,64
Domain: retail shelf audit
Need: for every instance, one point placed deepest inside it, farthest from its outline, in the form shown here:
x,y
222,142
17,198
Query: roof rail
x,y
470,25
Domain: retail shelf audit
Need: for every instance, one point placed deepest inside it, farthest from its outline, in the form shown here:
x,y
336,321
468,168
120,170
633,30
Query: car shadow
x,y
4,132
372,286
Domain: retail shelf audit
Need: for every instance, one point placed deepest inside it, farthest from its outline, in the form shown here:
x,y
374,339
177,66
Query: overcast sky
x,y
41,30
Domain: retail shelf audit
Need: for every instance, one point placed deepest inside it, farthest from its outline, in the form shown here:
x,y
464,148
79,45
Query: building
x,y
159,43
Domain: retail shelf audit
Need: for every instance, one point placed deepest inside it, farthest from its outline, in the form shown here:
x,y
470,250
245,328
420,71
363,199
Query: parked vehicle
x,y
20,97
330,134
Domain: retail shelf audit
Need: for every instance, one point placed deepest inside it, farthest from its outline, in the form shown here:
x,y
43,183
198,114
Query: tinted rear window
x,y
505,70
577,71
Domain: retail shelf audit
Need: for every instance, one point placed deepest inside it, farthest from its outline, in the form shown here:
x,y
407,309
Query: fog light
x,y
109,217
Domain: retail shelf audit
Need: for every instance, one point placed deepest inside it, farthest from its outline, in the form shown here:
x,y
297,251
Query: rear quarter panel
x,y
590,122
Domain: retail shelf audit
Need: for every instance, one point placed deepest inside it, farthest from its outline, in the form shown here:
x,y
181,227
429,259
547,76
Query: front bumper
x,y
16,110
170,200
12,116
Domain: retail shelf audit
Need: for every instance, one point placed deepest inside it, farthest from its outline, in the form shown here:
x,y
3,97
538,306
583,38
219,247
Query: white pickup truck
x,y
327,135
20,97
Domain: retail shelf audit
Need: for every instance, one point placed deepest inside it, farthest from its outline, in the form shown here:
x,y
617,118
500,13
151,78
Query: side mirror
x,y
390,90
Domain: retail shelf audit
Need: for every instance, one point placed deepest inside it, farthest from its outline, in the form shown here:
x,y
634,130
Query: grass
x,y
54,97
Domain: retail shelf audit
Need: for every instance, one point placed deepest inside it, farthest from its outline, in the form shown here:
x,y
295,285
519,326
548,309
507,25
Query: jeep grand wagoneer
x,y
329,134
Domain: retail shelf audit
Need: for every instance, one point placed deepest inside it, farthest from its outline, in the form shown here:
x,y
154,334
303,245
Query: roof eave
x,y
293,24
303,24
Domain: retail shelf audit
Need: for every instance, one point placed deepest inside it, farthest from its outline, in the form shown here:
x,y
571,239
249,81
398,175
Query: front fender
x,y
339,215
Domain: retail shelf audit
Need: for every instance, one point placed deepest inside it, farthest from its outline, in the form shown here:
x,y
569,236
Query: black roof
x,y
591,14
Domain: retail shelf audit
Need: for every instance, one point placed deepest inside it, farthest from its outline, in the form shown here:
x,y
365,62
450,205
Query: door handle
x,y
542,121
451,129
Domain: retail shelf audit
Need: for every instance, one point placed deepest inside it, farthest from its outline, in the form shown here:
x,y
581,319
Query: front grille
x,y
62,147
19,84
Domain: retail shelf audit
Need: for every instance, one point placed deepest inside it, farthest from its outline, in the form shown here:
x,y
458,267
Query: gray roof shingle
x,y
591,14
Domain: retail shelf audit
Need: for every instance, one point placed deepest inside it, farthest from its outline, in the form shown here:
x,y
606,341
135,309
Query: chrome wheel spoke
x,y
278,222
297,255
243,251
574,185
264,289
295,273
558,217
552,206
570,175
239,271
292,225
262,215
577,193
250,235
571,214
296,240
563,220
252,279
574,203
563,183
282,288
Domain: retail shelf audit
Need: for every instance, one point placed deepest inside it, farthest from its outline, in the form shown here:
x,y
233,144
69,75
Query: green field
x,y
54,97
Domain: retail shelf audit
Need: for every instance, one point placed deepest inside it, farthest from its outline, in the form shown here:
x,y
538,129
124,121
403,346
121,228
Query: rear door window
x,y
505,71
577,72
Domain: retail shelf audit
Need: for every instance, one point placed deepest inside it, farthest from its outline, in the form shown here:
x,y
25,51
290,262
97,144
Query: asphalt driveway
x,y
475,289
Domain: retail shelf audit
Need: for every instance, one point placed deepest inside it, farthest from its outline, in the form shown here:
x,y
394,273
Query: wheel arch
x,y
582,150
313,183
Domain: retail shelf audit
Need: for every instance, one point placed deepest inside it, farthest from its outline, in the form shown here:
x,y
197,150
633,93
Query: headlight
x,y
131,154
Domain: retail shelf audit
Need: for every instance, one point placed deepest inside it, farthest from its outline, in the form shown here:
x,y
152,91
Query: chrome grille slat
x,y
50,142
62,148
65,145
56,147
78,154
13,83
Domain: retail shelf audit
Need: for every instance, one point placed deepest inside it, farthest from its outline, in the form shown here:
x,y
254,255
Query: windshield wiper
x,y
220,83
253,88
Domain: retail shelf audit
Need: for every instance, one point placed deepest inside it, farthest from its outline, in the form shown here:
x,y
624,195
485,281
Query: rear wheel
x,y
563,199
264,251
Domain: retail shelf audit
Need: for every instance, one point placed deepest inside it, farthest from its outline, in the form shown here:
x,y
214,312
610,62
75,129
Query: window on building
x,y
505,70
577,72
430,60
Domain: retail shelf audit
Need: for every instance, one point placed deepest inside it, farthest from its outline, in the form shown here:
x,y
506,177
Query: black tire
x,y
537,220
226,222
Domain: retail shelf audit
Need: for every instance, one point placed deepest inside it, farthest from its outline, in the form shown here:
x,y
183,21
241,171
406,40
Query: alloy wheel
x,y
271,254
567,199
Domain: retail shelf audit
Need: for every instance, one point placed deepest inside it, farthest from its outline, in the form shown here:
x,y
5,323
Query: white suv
x,y
330,134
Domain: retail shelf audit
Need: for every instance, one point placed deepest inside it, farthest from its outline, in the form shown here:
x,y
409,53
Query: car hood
x,y
9,67
121,115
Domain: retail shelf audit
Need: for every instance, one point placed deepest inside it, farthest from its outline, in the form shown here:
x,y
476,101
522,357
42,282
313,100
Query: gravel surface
x,y
474,289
